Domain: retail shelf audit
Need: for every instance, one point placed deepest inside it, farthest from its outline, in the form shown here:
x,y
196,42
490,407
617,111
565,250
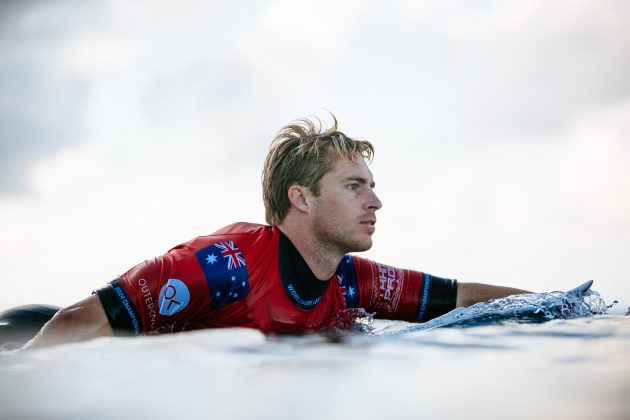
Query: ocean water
x,y
547,356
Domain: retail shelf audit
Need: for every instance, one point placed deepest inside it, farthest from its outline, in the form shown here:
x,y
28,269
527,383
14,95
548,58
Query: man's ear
x,y
299,197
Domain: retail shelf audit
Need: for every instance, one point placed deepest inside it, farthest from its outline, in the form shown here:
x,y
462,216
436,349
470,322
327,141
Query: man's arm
x,y
471,293
79,322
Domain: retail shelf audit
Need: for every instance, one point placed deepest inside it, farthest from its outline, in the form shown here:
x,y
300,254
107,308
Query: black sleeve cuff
x,y
438,296
119,310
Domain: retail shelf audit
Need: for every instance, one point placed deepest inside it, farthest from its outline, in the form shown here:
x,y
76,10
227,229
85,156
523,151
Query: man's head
x,y
301,153
317,186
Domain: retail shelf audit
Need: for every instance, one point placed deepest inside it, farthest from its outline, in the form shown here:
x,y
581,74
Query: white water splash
x,y
526,308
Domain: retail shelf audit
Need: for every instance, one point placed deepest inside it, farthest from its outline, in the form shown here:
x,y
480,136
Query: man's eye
x,y
353,187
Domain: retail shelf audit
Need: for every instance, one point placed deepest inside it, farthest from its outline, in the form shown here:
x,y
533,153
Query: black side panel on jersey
x,y
437,297
120,313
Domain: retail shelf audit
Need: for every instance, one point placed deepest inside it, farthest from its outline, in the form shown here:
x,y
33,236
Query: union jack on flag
x,y
230,251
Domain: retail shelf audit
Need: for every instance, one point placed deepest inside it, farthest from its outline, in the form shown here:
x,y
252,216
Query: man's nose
x,y
374,202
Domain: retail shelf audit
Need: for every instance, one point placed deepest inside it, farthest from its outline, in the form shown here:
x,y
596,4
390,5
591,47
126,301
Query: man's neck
x,y
322,261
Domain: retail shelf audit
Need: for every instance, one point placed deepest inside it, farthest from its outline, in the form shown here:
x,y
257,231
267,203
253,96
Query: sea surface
x,y
544,356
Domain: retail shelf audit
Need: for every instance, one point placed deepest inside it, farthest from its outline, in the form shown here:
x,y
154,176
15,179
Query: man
x,y
293,275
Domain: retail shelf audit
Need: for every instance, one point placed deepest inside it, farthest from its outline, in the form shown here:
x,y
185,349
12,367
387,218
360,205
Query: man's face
x,y
344,214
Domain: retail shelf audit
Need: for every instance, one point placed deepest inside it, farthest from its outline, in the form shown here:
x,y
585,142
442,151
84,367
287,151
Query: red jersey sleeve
x,y
163,293
395,293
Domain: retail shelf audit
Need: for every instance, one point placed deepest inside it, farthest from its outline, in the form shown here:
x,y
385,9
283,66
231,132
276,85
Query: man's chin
x,y
360,246
346,243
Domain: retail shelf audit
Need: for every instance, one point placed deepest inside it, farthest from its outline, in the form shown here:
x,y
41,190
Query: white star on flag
x,y
211,259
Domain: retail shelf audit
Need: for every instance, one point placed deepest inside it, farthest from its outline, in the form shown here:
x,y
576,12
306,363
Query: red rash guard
x,y
248,275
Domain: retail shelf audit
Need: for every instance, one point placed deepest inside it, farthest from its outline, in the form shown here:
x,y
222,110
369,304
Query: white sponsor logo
x,y
387,278
148,300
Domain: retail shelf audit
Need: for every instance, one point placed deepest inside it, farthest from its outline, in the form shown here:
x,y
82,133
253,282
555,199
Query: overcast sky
x,y
501,132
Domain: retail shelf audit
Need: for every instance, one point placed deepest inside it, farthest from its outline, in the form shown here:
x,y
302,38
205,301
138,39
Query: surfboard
x,y
582,288
524,309
18,325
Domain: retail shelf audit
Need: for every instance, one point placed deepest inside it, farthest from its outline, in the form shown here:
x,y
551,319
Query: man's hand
x,y
79,322
471,293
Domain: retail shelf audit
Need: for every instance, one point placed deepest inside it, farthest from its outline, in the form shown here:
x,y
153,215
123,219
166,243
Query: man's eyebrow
x,y
361,180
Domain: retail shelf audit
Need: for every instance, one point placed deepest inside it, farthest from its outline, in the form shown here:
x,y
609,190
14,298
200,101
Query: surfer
x,y
291,275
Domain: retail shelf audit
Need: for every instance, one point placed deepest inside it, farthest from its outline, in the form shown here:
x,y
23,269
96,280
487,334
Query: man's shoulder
x,y
243,228
241,234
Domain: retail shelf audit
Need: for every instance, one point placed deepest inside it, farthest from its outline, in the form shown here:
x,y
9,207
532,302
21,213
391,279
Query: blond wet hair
x,y
301,153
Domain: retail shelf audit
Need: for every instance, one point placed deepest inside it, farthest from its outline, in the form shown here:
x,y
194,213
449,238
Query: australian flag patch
x,y
224,267
347,279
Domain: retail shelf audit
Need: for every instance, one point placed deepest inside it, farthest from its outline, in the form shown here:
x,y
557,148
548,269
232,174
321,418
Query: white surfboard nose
x,y
582,288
